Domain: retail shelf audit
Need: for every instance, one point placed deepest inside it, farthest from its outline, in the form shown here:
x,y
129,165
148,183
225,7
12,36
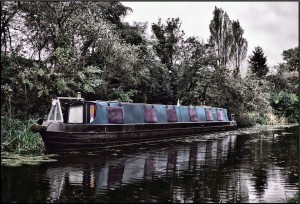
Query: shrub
x,y
286,105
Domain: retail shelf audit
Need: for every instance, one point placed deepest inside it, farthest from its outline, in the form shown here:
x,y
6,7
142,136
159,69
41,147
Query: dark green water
x,y
261,167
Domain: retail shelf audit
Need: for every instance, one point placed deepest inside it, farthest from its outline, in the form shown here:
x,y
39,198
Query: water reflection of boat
x,y
247,168
102,174
74,124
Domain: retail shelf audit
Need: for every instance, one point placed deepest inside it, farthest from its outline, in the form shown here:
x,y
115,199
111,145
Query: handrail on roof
x,y
70,98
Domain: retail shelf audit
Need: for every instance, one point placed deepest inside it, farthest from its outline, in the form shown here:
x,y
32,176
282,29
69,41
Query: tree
x,y
240,46
258,63
167,47
196,71
74,49
221,36
8,12
287,105
114,11
286,86
291,56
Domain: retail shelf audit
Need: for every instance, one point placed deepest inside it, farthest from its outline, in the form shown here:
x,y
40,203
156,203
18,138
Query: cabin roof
x,y
148,104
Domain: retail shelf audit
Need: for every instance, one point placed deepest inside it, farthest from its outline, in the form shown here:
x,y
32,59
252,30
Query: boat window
x,y
115,115
172,117
220,115
92,112
150,115
193,115
209,115
76,114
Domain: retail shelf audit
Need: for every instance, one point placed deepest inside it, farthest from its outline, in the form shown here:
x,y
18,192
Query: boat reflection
x,y
230,169
98,174
260,167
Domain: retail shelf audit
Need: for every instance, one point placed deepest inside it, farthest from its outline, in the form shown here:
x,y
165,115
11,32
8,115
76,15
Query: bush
x,y
256,118
286,105
273,119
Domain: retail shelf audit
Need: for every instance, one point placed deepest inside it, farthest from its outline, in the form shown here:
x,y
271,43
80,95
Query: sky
x,y
274,26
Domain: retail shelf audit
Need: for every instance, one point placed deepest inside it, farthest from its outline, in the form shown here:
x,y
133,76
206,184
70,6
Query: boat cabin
x,y
72,110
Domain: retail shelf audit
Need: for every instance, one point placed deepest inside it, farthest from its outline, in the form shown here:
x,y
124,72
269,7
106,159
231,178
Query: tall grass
x,y
17,137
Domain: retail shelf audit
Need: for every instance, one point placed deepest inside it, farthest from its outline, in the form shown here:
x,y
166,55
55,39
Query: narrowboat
x,y
74,124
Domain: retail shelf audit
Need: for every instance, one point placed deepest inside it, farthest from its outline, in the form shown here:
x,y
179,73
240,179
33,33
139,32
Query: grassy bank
x,y
16,137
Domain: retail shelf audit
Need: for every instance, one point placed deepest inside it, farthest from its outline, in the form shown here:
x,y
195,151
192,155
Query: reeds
x,y
17,137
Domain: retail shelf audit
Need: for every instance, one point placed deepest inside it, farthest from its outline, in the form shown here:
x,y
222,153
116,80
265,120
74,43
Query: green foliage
x,y
258,63
168,38
8,13
291,56
17,137
81,52
284,80
221,36
159,90
113,11
286,87
195,74
228,43
256,96
167,47
119,95
254,118
287,105
239,47
202,82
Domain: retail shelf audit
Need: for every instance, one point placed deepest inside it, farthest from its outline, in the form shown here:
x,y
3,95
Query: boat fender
x,y
38,128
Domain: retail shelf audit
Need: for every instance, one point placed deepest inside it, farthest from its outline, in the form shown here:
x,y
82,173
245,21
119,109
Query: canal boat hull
x,y
86,137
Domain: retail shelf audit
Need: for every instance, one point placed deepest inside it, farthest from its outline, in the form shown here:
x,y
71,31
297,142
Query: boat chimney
x,y
78,94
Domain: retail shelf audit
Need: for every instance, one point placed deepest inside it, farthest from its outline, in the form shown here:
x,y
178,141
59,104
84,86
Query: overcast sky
x,y
271,25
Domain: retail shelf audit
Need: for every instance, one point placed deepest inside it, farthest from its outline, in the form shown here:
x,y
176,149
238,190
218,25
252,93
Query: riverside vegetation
x,y
294,199
58,48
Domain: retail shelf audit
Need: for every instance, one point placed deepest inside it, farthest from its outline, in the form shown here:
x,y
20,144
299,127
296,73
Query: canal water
x,y
237,167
